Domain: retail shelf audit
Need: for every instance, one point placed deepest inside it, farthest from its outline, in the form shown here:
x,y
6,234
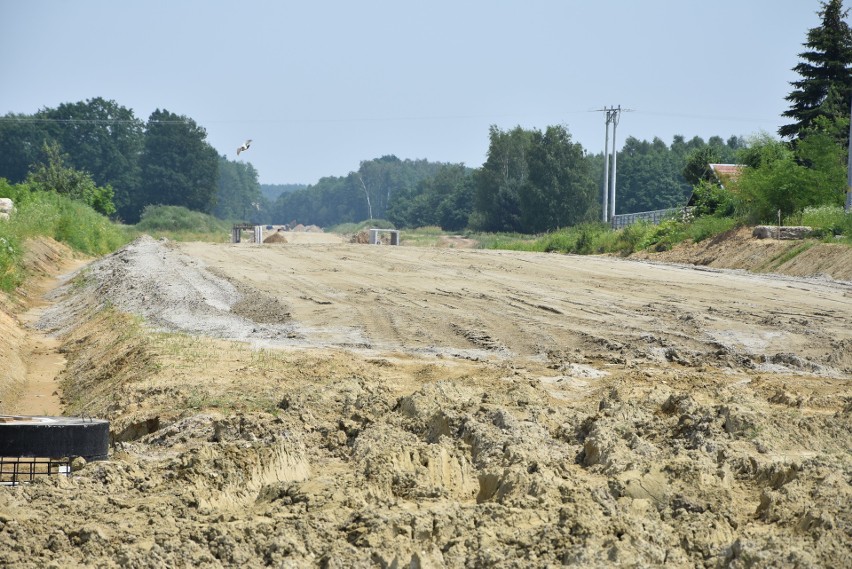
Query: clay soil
x,y
321,403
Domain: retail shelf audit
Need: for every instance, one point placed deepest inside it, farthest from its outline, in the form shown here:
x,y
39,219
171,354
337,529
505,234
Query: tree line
x,y
531,181
163,161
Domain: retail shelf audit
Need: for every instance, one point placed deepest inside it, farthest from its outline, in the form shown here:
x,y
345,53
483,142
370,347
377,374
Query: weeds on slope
x,y
48,214
598,238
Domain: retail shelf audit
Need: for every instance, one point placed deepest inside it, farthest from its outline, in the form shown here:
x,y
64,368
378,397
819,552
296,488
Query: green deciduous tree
x,y
653,175
560,189
53,175
238,194
496,204
445,200
380,188
649,175
825,87
178,166
781,178
533,181
332,200
697,168
383,180
102,138
22,138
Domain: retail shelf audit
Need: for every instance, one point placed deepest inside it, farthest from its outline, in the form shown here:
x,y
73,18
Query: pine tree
x,y
825,87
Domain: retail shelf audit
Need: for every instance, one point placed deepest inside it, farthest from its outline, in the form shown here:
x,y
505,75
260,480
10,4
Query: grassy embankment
x,y
47,214
592,238
830,224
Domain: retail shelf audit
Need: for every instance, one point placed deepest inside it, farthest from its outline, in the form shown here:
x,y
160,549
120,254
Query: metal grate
x,y
15,470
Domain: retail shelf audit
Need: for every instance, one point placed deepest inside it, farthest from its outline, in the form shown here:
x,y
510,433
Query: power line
x,y
707,117
265,120
85,121
380,119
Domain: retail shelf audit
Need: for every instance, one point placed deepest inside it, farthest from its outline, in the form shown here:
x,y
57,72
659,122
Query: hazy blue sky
x,y
321,85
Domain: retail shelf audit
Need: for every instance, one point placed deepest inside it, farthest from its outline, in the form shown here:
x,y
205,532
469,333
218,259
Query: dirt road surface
x,y
320,403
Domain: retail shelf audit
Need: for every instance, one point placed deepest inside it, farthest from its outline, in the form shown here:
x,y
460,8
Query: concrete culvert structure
x,y
32,446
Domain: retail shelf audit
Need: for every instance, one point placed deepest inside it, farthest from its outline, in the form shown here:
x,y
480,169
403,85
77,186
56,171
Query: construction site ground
x,y
322,403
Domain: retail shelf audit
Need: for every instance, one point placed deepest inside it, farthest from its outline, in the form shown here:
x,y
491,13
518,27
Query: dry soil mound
x,y
277,237
172,291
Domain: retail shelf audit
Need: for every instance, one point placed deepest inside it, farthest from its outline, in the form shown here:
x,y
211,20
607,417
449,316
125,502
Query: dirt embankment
x,y
737,249
30,360
340,405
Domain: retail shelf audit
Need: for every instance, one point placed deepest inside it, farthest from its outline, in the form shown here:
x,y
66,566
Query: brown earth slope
x,y
339,405
737,249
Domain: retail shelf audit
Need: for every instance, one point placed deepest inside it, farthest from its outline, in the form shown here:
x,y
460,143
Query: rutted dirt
x,y
334,404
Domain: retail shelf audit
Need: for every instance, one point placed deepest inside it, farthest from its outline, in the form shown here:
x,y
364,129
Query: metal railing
x,y
626,219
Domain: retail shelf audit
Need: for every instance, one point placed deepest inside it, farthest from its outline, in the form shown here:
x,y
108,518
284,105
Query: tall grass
x,y
49,214
598,238
702,228
181,224
508,241
586,239
828,221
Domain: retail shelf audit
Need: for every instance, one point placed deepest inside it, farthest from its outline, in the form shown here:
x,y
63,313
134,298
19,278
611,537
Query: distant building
x,y
725,173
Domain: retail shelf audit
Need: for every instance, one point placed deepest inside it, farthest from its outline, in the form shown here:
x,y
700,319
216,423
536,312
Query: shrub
x,y
46,213
54,176
781,179
631,238
563,241
173,218
664,236
703,227
828,220
711,199
69,221
11,253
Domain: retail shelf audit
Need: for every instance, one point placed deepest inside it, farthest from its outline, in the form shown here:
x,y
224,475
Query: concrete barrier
x,y
776,232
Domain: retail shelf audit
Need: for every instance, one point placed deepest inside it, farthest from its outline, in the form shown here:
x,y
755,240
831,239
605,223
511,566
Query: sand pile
x,y
277,237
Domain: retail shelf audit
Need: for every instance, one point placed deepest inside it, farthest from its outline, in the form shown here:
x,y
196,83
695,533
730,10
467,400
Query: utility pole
x,y
605,208
849,169
615,118
612,116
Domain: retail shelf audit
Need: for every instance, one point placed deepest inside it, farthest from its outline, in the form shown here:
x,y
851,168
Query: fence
x,y
654,217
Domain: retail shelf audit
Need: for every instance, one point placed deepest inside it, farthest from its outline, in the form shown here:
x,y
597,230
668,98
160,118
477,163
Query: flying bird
x,y
244,147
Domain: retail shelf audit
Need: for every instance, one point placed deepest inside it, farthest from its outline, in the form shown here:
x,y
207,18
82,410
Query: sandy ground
x,y
319,403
